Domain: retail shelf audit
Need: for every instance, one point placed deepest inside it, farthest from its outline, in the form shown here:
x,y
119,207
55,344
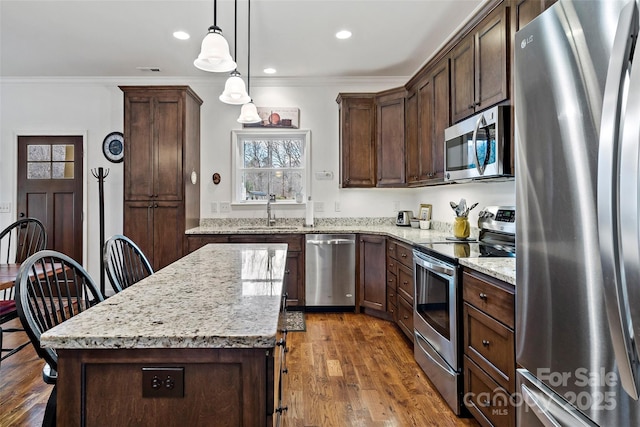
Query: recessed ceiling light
x,y
344,34
181,35
269,70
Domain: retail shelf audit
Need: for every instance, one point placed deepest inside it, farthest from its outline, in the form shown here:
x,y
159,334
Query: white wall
x,y
95,107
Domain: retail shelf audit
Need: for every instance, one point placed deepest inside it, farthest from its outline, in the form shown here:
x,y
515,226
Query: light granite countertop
x,y
500,268
220,296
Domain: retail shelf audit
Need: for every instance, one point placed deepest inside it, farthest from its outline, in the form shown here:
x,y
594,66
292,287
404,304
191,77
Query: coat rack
x,y
101,174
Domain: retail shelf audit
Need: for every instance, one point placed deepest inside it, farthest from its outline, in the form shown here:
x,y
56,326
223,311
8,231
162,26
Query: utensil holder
x,y
461,227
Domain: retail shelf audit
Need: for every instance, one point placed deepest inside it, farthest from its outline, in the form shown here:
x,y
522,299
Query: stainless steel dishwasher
x,y
330,271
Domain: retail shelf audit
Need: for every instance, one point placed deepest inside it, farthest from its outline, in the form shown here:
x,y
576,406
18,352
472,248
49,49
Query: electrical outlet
x,y
5,207
337,206
318,207
225,207
214,207
163,382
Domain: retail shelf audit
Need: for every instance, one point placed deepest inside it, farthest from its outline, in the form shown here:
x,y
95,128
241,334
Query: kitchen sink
x,y
266,227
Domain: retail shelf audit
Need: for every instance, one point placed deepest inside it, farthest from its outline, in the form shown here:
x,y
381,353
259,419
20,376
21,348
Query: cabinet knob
x,y
483,296
470,107
405,282
403,255
485,403
406,317
486,343
477,104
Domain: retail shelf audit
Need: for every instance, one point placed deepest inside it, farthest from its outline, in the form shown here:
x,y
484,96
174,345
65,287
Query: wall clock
x,y
113,147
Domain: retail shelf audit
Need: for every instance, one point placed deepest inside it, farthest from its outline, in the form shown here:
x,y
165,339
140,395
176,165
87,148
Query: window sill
x,y
264,203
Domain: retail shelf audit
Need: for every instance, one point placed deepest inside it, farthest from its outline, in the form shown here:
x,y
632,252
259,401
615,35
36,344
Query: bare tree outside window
x,y
272,166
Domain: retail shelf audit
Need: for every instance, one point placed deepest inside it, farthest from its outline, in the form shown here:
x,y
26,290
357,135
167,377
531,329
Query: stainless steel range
x,y
438,298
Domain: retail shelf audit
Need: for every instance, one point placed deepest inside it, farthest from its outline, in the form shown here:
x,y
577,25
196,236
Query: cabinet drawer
x,y
392,303
405,282
486,400
404,254
391,264
493,298
491,345
391,248
405,317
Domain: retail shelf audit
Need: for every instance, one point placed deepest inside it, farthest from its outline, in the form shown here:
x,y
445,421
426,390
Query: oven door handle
x,y
435,267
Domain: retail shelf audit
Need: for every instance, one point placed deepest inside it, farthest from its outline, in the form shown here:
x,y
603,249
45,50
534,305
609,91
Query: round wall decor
x,y
113,147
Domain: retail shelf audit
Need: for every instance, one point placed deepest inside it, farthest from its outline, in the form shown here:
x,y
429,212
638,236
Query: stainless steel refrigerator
x,y
577,113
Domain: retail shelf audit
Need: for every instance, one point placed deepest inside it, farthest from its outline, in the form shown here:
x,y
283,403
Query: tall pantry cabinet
x,y
161,168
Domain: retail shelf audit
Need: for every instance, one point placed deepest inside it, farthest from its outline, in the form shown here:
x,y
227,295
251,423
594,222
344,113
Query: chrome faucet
x,y
270,221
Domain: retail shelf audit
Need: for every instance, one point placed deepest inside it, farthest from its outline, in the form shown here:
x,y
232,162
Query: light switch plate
x,y
225,207
214,207
318,207
5,207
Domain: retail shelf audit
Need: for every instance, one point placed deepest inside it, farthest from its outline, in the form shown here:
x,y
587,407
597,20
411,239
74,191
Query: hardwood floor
x,y
345,370
355,370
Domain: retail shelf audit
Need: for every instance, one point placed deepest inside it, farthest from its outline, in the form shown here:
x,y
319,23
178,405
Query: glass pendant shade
x,y
249,114
214,54
235,92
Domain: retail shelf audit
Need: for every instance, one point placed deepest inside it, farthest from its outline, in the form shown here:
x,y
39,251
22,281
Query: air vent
x,y
150,69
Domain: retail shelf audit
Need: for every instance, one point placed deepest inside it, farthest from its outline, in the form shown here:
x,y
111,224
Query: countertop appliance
x,y
577,103
404,218
476,148
330,271
438,298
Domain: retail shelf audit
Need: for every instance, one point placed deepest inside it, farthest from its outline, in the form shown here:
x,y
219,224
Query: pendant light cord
x,y
215,13
249,49
235,32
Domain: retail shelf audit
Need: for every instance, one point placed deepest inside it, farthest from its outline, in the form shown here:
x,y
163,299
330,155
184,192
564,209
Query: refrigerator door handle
x,y
540,412
609,197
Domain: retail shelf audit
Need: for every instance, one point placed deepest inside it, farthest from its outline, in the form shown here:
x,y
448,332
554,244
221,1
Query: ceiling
x,y
112,38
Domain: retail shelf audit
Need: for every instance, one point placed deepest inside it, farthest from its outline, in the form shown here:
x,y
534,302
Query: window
x,y
268,162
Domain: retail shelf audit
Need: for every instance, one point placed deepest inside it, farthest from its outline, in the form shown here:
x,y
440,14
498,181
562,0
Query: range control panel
x,y
498,218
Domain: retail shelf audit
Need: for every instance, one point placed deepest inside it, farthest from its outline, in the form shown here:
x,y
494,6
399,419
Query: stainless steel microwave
x,y
476,147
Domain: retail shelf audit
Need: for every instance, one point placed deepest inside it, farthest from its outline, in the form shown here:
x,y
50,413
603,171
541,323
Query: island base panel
x,y
229,387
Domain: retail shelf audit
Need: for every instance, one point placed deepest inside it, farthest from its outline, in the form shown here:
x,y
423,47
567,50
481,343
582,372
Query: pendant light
x,y
248,112
235,92
214,54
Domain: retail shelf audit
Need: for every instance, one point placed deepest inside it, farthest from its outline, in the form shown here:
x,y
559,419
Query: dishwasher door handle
x,y
332,242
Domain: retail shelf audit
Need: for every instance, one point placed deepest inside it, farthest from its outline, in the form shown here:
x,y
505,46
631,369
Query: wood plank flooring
x,y
345,370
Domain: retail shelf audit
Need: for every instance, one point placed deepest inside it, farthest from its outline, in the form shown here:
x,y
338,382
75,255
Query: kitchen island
x,y
193,344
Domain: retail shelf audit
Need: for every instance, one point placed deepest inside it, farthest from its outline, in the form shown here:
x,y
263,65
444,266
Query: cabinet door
x,y
357,142
441,115
491,80
462,79
372,277
411,137
168,232
151,225
390,140
425,129
294,271
138,147
138,226
167,169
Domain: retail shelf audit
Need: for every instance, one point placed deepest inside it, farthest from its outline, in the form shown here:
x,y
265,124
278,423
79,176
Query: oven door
x,y
435,311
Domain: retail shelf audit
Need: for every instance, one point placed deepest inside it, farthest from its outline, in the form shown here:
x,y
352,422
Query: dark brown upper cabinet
x,y
428,115
357,115
479,76
390,138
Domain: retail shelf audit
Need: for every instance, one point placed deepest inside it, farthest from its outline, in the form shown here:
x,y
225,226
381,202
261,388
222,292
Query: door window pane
x,y
62,170
62,153
38,170
38,153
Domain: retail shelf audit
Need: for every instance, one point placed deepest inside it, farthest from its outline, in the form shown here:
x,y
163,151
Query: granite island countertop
x,y
220,296
500,268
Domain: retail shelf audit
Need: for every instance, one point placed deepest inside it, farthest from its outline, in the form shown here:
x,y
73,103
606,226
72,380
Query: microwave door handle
x,y
480,165
609,193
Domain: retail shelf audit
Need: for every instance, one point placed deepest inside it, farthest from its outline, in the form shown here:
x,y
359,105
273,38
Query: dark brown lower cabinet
x,y
372,272
489,349
222,387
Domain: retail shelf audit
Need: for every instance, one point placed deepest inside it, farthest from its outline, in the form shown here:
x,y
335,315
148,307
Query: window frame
x,y
237,162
